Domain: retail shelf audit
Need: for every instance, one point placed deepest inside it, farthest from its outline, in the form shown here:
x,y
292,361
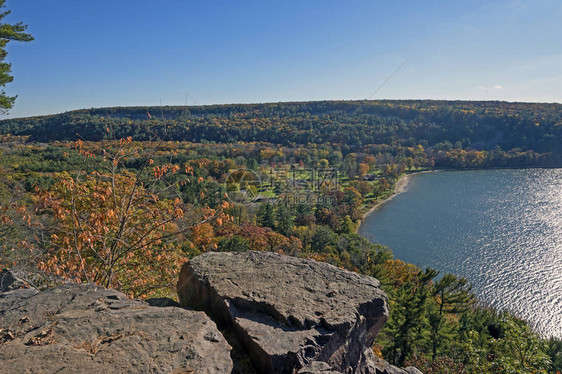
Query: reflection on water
x,y
502,229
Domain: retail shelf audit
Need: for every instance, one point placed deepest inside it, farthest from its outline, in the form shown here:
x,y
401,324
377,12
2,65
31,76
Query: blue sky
x,y
103,53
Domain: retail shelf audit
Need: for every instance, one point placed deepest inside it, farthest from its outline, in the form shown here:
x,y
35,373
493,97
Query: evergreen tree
x,y
322,238
452,295
409,316
284,219
265,216
7,33
554,350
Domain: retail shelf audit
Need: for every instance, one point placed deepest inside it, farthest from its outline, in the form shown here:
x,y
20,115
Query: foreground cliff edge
x,y
290,315
88,329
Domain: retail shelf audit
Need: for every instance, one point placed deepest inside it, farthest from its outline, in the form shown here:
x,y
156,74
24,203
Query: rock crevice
x,y
266,312
289,313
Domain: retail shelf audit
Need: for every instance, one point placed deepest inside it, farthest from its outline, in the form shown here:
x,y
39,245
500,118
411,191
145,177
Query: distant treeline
x,y
272,153
348,125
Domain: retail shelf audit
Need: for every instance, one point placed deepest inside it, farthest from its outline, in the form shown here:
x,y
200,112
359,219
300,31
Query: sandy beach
x,y
400,187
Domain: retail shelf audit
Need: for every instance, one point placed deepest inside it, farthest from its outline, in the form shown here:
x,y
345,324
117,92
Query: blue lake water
x,y
501,229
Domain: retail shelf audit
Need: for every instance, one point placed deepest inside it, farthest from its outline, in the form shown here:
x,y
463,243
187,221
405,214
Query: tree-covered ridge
x,y
62,210
349,125
62,214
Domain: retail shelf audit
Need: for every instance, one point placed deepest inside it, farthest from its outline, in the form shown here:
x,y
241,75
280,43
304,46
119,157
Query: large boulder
x,y
87,329
291,314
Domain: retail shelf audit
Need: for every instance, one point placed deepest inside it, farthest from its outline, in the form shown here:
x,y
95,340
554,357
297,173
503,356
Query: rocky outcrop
x,y
87,329
291,314
375,366
280,314
383,367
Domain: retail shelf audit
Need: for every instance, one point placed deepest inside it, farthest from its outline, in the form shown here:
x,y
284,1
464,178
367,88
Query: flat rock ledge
x,y
88,329
291,315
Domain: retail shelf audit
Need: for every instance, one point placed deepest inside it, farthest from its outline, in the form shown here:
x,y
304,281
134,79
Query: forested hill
x,y
349,125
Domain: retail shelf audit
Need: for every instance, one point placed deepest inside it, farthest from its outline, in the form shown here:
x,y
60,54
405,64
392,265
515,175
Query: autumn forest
x,y
123,196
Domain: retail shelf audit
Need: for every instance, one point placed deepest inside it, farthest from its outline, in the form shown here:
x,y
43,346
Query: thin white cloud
x,y
496,87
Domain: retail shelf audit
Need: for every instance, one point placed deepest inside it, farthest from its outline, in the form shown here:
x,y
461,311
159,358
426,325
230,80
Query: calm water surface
x,y
502,229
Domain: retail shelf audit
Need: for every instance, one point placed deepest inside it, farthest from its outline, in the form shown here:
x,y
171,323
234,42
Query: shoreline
x,y
400,186
403,182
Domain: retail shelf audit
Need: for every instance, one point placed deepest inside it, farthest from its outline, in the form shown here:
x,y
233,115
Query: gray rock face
x,y
87,329
317,367
383,367
290,313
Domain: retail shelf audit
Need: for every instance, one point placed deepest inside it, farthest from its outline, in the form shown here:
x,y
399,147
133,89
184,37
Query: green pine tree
x,y
408,317
284,219
265,216
7,33
453,295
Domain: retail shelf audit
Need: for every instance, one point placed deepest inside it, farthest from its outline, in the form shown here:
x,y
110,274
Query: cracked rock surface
x,y
87,329
289,313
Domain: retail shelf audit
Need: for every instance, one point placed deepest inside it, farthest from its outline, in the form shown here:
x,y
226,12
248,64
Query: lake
x,y
501,229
